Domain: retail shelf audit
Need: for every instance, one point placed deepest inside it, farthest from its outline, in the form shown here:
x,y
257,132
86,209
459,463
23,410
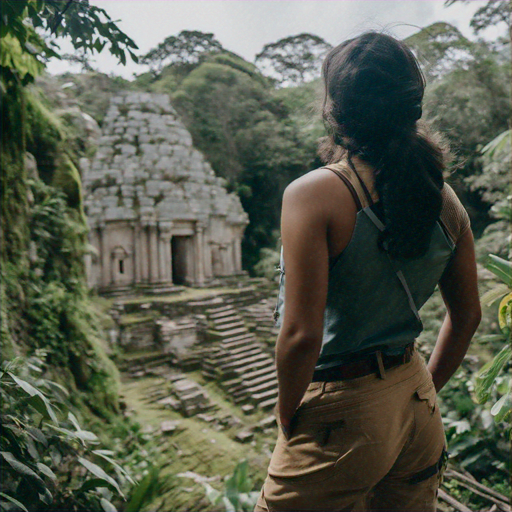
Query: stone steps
x,y
268,370
219,322
243,348
229,327
256,393
269,375
246,362
240,365
269,385
219,336
268,404
264,396
230,362
211,312
237,341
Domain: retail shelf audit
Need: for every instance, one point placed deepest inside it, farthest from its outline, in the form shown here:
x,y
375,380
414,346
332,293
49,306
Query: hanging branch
x,y
58,19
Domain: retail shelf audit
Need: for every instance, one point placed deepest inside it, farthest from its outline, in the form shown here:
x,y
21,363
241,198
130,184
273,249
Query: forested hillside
x,y
74,437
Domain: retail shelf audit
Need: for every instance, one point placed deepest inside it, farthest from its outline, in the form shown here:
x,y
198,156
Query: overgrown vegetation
x,y
259,134
47,457
45,304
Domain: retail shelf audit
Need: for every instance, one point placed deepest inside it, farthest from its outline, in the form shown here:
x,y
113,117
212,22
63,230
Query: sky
x,y
245,26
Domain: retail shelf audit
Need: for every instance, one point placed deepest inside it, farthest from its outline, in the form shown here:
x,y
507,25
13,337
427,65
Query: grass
x,y
133,318
185,295
196,447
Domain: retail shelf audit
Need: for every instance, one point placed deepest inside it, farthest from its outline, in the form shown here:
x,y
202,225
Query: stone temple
x,y
158,215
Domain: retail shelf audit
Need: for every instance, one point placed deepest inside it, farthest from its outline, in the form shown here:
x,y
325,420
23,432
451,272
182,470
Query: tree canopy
x,y
489,15
89,28
293,60
184,49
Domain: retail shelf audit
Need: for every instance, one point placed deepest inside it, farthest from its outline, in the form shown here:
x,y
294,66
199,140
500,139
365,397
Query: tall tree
x,y
293,60
247,136
186,48
489,15
467,99
441,48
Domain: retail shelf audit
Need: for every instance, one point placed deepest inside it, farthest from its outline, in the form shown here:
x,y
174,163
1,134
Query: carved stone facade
x,y
158,215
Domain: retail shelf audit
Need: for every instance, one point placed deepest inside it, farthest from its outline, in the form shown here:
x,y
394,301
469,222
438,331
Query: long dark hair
x,y
373,100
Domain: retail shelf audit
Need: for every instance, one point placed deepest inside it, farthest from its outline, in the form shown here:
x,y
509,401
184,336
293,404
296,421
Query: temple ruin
x,y
158,215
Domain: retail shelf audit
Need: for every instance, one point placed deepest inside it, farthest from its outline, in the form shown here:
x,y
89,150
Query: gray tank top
x,y
373,299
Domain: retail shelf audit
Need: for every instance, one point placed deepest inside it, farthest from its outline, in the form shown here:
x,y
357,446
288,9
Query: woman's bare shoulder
x,y
318,181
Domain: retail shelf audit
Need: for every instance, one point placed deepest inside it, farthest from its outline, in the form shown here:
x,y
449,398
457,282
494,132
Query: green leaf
x,y
487,374
498,143
37,400
94,483
144,491
134,57
43,406
87,436
502,409
104,454
14,501
72,418
107,506
228,506
27,387
491,338
505,312
212,495
46,471
23,469
500,268
46,497
100,473
491,296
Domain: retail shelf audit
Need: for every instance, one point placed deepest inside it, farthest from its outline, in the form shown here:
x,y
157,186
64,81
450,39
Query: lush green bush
x,y
49,462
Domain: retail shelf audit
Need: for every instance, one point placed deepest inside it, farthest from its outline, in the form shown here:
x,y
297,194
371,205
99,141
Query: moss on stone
x,y
67,179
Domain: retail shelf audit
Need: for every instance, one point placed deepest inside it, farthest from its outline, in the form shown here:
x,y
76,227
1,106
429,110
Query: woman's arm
x,y
317,221
460,294
304,238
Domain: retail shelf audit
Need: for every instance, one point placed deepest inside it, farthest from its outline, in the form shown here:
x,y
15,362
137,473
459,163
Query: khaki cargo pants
x,y
367,444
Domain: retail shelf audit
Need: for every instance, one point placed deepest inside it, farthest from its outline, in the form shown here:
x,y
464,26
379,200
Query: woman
x,y
365,241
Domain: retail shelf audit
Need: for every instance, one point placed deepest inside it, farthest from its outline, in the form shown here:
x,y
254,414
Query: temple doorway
x,y
180,246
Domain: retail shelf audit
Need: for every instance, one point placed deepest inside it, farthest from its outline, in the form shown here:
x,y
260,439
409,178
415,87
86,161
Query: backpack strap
x,y
363,186
349,185
380,226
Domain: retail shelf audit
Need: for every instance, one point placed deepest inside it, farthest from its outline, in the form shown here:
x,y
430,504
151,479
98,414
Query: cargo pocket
x,y
303,456
427,393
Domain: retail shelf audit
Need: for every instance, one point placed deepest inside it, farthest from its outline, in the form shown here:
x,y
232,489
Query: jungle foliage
x,y
46,460
259,133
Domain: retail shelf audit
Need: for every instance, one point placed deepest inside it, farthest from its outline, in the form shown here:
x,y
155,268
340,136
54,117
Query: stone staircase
x,y
237,361
259,319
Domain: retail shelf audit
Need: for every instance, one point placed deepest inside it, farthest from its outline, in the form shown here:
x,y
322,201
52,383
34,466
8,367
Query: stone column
x,y
207,257
153,253
164,251
104,255
143,247
136,253
238,254
199,254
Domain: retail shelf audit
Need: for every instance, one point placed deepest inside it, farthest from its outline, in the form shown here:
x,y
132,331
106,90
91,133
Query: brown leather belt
x,y
366,364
